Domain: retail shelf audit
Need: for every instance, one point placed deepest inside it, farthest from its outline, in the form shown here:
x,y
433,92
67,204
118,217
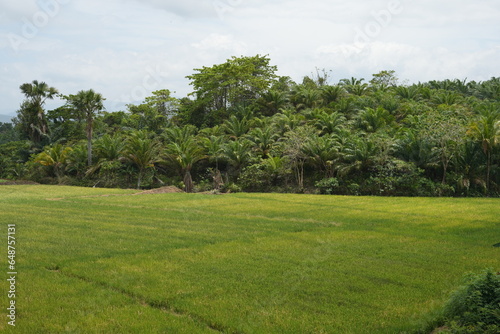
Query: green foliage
x,y
474,307
378,138
31,120
7,133
238,81
185,154
13,156
143,152
88,104
327,186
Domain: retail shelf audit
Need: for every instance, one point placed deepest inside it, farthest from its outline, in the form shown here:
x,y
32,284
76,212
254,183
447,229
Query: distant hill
x,y
6,118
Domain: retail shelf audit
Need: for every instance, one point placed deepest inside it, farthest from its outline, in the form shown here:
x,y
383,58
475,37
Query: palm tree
x,y
143,152
445,97
372,120
486,130
331,94
31,115
263,140
489,89
178,135
412,146
185,154
467,165
109,151
355,86
287,120
330,123
56,157
77,160
214,148
359,155
88,103
322,152
408,93
235,127
272,101
306,97
238,153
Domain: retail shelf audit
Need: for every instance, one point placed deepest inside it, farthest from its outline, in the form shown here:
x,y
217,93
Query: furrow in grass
x,y
156,304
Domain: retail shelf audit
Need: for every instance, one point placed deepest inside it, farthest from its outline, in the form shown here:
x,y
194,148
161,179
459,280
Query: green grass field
x,y
106,261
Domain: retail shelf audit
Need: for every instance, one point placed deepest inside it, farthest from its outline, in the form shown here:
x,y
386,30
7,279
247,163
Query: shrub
x,y
231,188
255,178
327,186
475,307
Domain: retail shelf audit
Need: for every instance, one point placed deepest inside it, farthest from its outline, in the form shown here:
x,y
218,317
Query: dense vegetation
x,y
99,260
245,128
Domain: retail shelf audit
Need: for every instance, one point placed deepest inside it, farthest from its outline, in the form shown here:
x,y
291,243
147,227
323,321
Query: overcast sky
x,y
125,49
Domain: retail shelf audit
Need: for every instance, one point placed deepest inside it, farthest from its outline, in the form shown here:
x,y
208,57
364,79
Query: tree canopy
x,y
245,128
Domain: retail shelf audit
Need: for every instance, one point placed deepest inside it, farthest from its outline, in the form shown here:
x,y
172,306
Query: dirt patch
x,y
162,190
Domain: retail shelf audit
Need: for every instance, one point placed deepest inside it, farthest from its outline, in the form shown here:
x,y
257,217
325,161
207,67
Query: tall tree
x,y
486,130
89,103
31,117
238,81
293,149
384,78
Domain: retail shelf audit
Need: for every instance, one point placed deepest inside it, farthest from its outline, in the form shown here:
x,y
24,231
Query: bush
x,y
255,178
327,186
230,188
475,307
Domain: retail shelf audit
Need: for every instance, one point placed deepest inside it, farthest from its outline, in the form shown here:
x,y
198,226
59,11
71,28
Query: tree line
x,y
244,128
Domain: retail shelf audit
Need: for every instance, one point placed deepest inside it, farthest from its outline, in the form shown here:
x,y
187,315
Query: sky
x,y
126,49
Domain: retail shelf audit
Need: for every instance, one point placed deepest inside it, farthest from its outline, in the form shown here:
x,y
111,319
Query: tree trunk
x,y
218,182
139,179
89,142
188,182
488,169
445,169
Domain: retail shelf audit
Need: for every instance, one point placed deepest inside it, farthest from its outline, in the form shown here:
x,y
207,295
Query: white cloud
x,y
127,48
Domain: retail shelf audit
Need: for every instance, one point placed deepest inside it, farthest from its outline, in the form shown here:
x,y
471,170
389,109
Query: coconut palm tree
x,y
89,103
31,116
